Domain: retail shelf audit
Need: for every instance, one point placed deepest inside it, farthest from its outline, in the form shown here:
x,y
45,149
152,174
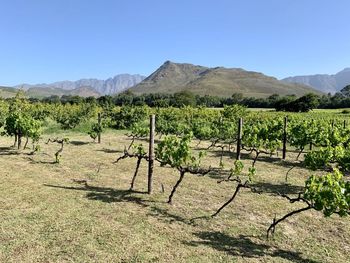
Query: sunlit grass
x,y
81,210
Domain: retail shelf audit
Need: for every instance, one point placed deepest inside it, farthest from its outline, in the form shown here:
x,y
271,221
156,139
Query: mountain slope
x,y
324,82
41,92
169,77
109,86
173,77
7,92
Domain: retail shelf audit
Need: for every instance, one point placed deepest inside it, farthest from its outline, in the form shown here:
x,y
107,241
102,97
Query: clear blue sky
x,y
50,40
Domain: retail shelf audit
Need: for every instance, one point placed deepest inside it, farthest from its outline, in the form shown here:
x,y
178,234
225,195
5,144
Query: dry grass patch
x,y
81,211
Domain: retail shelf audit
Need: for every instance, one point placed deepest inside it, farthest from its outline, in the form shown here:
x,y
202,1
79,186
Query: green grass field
x,y
81,210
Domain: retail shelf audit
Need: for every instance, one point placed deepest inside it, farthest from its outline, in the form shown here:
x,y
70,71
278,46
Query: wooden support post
x,y
310,146
239,138
99,126
284,138
151,152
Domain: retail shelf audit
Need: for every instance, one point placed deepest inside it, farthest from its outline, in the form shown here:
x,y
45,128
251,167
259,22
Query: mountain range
x,y
83,87
41,92
174,77
323,82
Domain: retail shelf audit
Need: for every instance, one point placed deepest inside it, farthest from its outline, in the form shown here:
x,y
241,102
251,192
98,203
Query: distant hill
x,y
109,86
173,77
7,92
41,92
323,82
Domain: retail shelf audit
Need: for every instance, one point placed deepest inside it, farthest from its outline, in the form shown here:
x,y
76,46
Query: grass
x,y
81,211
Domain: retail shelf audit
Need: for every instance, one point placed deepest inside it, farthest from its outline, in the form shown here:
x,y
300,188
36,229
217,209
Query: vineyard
x,y
80,182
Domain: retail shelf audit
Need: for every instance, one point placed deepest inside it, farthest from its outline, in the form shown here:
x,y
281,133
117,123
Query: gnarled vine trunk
x,y
136,171
182,175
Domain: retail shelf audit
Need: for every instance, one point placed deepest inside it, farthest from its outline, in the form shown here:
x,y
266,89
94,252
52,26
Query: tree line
x,y
187,98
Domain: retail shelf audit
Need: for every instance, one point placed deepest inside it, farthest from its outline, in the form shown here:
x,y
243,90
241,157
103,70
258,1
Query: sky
x,y
43,41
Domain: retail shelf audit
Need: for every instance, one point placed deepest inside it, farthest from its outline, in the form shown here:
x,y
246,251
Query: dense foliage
x,y
329,193
186,98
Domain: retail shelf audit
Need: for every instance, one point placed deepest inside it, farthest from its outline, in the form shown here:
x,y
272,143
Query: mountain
x,y
324,82
41,92
109,86
344,92
173,77
7,92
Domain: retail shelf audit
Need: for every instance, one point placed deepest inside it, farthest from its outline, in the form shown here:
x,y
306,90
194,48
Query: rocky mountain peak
x,y
109,86
324,82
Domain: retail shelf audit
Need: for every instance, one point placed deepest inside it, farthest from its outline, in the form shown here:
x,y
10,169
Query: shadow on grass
x,y
218,173
166,216
105,150
273,159
270,159
106,194
163,214
78,143
8,151
46,162
32,161
244,246
275,189
217,152
291,163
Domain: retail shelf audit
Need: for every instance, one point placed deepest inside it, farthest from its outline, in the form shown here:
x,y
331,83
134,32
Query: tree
x,y
208,101
91,100
305,103
273,99
237,98
51,99
184,98
283,104
105,101
124,98
72,99
325,101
